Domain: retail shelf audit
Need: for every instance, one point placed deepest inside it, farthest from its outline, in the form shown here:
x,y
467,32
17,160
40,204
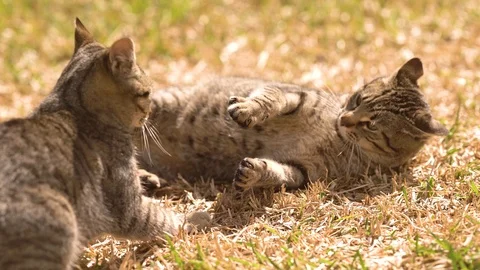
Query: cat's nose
x,y
347,120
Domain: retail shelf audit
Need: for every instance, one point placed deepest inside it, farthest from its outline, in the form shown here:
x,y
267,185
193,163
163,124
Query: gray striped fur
x,y
68,172
264,133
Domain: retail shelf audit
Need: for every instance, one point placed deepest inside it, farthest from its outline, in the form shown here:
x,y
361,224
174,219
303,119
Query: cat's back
x,y
34,149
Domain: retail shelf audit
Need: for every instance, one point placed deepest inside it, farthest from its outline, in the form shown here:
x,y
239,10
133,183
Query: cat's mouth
x,y
346,132
140,122
349,133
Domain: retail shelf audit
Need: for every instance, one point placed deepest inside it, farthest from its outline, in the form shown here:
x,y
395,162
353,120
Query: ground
x,y
430,220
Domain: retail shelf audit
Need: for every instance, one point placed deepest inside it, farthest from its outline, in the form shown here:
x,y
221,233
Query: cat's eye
x,y
354,102
371,125
358,100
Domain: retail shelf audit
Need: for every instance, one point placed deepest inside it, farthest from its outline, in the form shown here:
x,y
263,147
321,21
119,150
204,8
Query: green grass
x,y
430,219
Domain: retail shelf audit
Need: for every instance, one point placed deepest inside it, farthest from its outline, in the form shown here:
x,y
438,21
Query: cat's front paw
x,y
150,181
246,112
250,172
198,221
194,222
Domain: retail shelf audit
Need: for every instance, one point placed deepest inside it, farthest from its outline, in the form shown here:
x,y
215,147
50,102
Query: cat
x,y
267,134
69,172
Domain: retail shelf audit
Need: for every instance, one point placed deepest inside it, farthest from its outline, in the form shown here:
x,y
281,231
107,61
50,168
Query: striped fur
x,y
263,133
68,171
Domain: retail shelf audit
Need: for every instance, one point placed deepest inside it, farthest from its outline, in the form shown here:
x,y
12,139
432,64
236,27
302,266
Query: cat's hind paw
x,y
250,172
246,112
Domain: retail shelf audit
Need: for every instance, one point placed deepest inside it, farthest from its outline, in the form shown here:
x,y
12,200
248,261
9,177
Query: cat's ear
x,y
431,126
82,36
409,73
122,56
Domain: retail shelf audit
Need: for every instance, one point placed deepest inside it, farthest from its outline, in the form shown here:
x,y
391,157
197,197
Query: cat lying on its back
x,y
263,133
68,172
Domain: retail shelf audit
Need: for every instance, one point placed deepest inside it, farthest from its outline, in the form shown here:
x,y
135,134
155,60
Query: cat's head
x,y
106,82
389,118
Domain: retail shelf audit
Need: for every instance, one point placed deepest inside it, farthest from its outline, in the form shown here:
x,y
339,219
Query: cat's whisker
x,y
153,132
359,154
332,94
326,107
142,136
153,129
344,147
146,145
352,151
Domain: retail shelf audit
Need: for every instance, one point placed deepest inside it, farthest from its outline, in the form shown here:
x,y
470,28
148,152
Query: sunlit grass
x,y
430,220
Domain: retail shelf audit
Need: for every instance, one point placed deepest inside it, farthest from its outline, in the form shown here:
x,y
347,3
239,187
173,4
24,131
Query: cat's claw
x,y
249,172
232,100
150,181
245,112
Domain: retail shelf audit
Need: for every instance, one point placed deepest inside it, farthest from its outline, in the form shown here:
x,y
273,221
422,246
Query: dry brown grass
x,y
429,220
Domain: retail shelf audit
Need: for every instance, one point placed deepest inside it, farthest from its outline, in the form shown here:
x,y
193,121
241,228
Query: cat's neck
x,y
88,125
115,144
108,132
86,121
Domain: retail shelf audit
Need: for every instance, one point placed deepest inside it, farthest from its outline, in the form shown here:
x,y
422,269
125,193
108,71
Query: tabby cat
x,y
267,134
68,171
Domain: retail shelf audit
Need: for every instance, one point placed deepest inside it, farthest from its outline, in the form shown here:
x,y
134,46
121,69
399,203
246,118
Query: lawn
x,y
429,220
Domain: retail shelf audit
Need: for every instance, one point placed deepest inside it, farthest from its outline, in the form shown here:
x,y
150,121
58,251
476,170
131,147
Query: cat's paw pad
x,y
250,172
234,99
150,181
246,112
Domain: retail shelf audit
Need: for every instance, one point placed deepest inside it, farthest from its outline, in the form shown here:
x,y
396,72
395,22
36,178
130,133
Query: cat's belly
x,y
215,152
205,144
192,165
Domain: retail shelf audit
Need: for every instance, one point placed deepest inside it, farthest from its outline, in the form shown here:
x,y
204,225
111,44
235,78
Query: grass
x,y
428,220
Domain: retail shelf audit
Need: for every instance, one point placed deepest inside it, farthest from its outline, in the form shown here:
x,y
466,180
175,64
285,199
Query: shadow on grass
x,y
234,209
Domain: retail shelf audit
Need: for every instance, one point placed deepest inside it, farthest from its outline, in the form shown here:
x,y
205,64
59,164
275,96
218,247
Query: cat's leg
x,y
168,100
150,219
261,172
263,103
37,232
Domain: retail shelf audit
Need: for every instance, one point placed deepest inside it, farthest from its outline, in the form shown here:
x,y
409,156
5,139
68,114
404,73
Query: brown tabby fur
x,y
263,133
68,171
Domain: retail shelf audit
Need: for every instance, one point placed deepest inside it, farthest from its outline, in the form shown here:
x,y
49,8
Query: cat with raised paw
x,y
267,134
